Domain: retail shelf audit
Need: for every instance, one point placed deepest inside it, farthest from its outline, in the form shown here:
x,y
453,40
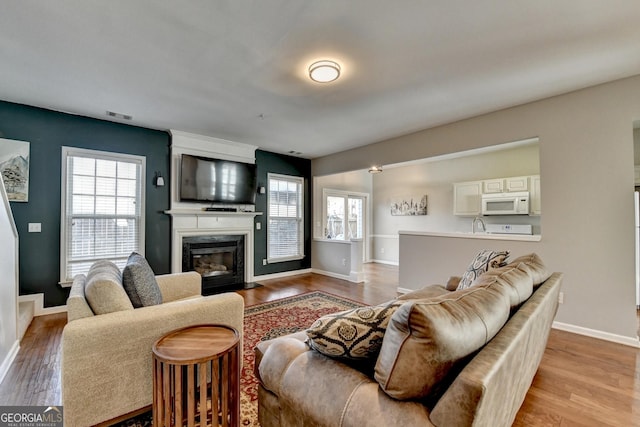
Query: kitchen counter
x,y
469,235
428,257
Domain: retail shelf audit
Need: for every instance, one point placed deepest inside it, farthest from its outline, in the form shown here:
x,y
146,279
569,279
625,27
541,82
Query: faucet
x,y
483,226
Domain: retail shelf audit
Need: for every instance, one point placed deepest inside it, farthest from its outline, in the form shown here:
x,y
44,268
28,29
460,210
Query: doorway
x,y
345,217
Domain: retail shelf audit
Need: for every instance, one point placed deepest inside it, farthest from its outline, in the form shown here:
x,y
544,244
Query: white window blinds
x,y
102,209
285,237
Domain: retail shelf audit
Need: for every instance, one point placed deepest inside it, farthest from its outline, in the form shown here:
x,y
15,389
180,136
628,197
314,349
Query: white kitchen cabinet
x,y
535,207
467,198
493,185
517,183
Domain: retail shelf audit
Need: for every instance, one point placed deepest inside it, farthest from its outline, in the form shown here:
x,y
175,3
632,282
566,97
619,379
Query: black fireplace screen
x,y
219,259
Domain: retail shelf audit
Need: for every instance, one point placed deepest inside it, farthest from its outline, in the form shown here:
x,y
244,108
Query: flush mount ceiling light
x,y
324,71
375,169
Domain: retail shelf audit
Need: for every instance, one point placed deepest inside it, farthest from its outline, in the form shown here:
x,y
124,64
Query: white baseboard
x,y
356,276
38,305
346,277
281,275
381,261
6,363
620,339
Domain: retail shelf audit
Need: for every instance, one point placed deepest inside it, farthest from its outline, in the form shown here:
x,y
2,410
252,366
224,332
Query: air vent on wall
x,y
119,115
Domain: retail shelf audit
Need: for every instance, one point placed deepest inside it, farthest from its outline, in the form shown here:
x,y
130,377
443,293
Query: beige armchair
x,y
107,359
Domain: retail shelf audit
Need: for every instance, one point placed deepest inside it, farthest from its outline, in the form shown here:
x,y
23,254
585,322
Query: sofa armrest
x,y
107,359
179,285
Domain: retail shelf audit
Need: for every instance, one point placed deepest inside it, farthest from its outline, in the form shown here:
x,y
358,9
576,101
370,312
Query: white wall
x,y
8,284
435,179
586,165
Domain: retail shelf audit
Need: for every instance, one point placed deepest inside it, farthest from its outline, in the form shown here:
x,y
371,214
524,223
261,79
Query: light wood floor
x,y
581,381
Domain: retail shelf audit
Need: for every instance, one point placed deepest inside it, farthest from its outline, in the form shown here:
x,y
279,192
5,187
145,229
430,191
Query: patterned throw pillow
x,y
140,282
353,334
483,262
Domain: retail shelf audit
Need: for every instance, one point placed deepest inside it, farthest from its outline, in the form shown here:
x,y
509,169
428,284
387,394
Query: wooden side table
x,y
196,377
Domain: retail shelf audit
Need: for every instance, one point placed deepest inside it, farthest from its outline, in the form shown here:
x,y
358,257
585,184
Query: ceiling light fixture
x,y
324,71
375,169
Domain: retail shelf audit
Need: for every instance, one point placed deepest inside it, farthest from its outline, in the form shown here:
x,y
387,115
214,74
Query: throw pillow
x,y
428,339
140,282
482,263
353,334
103,289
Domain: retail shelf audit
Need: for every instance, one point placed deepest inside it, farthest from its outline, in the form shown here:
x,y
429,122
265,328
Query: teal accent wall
x,y
47,131
287,165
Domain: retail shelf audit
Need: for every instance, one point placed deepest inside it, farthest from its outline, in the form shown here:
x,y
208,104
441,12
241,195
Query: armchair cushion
x,y
140,282
103,289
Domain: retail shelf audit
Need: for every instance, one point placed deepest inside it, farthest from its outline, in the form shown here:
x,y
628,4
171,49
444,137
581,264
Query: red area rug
x,y
263,322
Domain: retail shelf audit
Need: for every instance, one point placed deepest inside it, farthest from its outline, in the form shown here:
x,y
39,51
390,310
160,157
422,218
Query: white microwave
x,y
516,203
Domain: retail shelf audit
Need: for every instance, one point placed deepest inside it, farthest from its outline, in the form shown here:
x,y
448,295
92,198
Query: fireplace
x,y
219,259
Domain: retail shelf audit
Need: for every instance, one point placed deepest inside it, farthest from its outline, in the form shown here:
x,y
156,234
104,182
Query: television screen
x,y
217,181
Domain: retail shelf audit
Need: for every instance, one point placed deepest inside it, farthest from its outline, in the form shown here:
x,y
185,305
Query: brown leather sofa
x,y
427,372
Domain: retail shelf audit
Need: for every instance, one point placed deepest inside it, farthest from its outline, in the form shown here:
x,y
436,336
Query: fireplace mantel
x,y
200,212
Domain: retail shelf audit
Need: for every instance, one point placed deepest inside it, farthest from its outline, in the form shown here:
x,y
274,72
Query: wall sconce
x,y
159,180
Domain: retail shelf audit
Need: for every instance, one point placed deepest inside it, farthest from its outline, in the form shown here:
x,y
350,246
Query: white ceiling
x,y
236,69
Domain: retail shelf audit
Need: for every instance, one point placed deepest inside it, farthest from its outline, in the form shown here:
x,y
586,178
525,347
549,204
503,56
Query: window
x,y
285,237
344,215
102,209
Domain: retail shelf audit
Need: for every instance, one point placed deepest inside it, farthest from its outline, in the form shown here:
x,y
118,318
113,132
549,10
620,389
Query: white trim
x,y
64,180
356,276
348,278
8,361
620,339
382,261
299,181
385,236
281,275
38,305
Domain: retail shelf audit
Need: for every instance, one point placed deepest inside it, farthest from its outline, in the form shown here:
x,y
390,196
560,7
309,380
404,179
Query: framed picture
x,y
14,168
412,205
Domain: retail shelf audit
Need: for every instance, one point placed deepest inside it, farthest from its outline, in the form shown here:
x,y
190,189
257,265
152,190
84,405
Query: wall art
x,y
14,168
412,205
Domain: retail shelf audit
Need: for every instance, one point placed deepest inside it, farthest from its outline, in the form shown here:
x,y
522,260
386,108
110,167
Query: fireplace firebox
x,y
219,259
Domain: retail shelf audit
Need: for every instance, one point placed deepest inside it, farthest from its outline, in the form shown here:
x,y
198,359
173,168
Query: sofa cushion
x,y
426,339
518,282
352,334
77,305
534,266
483,262
103,289
140,282
430,291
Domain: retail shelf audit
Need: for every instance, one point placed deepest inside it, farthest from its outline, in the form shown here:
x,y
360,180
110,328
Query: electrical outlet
x,y
344,261
381,250
258,225
264,262
561,298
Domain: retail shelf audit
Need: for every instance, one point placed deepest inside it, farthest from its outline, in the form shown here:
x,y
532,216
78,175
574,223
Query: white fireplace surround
x,y
190,219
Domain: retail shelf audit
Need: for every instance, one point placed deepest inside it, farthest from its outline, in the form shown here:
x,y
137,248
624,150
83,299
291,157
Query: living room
x,y
585,136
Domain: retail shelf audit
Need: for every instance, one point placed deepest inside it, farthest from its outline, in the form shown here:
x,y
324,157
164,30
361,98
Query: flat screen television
x,y
217,181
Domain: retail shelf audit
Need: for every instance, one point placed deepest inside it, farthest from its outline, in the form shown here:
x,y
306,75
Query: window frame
x,y
299,180
64,198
